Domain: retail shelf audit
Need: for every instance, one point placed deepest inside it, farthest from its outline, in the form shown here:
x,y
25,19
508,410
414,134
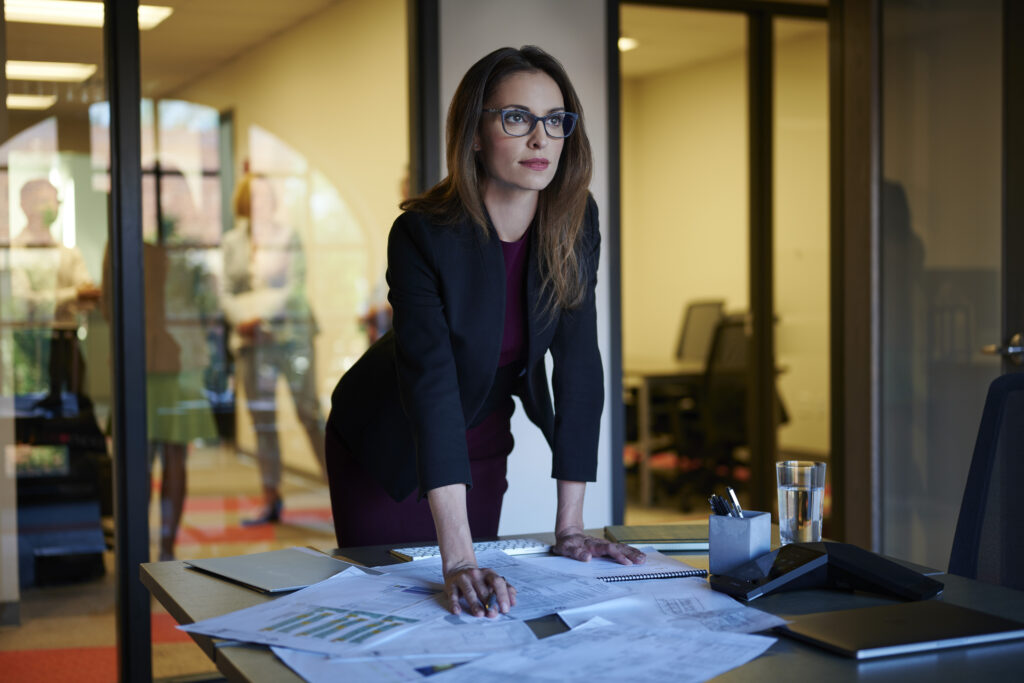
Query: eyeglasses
x,y
518,122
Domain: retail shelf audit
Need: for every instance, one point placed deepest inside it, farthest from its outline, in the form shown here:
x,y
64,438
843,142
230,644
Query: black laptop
x,y
900,628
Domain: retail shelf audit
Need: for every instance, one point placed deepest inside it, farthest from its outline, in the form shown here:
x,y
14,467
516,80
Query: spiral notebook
x,y
677,574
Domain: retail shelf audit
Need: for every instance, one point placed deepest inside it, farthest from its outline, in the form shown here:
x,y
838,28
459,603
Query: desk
x,y
190,596
643,376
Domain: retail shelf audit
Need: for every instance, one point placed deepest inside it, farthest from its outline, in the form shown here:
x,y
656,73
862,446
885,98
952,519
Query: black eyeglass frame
x,y
567,116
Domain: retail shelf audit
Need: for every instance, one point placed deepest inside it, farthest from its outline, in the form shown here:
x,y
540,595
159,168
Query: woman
x,y
488,270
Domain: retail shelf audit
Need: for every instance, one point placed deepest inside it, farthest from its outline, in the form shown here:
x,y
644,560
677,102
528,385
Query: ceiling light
x,y
31,101
69,72
627,44
74,13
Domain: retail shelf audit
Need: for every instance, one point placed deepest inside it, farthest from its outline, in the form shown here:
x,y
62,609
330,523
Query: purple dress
x,y
369,516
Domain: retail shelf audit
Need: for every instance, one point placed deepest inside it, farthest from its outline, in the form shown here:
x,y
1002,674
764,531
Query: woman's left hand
x,y
582,547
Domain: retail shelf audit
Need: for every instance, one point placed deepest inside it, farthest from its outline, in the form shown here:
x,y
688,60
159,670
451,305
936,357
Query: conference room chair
x,y
989,540
711,424
713,431
700,318
699,321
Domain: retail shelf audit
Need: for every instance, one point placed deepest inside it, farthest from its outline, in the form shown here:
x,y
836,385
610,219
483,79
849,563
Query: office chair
x,y
989,543
724,414
698,329
714,424
699,321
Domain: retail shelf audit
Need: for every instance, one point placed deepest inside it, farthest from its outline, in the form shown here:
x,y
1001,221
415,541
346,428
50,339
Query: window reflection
x,y
264,299
51,375
254,308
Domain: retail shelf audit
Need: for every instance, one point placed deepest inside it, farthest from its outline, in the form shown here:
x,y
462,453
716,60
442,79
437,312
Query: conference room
x,y
744,167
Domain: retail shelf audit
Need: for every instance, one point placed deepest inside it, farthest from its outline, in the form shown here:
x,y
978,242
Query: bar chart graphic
x,y
336,625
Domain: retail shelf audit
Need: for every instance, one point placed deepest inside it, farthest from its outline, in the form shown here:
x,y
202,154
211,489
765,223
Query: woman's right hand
x,y
483,591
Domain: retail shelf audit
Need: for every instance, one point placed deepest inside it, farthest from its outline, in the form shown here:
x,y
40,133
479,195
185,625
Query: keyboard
x,y
511,546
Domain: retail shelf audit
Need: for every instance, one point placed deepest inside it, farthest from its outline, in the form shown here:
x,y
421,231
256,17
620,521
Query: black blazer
x,y
403,408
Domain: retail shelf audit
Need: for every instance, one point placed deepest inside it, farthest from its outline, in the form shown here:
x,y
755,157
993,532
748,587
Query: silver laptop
x,y
901,628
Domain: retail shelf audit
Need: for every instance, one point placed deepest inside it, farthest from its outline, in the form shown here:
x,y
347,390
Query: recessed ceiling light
x,y
74,13
69,72
627,44
31,101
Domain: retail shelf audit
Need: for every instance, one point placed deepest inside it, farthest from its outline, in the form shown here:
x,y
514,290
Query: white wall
x,y
574,32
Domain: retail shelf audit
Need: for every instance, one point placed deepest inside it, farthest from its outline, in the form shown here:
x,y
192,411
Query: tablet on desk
x,y
900,628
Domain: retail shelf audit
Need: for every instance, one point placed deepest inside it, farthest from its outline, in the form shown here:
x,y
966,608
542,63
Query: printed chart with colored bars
x,y
338,625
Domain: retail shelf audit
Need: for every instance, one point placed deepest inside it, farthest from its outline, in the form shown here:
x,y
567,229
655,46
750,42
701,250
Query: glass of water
x,y
801,492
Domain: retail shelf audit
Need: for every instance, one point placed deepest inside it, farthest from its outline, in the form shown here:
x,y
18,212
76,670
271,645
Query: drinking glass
x,y
801,492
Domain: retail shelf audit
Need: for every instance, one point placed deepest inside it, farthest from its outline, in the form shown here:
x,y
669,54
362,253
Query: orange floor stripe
x,y
164,629
225,534
222,503
81,664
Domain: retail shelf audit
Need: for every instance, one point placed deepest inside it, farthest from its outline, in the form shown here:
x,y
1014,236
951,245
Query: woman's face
x,y
526,163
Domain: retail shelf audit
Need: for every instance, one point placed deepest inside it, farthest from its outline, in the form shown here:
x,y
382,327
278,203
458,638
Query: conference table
x,y
190,596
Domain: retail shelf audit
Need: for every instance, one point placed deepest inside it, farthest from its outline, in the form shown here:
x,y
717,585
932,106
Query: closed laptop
x,y
901,628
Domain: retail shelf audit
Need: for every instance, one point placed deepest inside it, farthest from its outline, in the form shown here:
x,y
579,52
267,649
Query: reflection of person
x,y
264,301
377,319
488,270
51,285
177,412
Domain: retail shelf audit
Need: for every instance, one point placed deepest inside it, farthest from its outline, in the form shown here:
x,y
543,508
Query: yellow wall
x,y
802,237
684,200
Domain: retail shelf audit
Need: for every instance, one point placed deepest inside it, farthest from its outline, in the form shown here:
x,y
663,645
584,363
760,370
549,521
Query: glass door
x,y
56,526
724,203
685,218
800,227
951,267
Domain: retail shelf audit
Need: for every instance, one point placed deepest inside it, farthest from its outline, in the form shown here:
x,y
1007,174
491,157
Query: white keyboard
x,y
511,546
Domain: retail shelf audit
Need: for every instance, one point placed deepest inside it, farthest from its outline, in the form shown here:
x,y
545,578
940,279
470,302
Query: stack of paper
x,y
394,626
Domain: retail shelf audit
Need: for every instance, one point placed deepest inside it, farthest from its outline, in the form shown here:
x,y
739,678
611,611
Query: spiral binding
x,y
678,574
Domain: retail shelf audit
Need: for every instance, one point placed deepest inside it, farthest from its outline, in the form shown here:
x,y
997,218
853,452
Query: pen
x,y
719,506
735,501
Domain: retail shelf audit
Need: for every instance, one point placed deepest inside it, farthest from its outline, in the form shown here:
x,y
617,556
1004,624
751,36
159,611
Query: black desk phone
x,y
824,565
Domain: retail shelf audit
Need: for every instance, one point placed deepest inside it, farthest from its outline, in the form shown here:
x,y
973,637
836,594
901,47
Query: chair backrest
x,y
699,323
725,382
989,540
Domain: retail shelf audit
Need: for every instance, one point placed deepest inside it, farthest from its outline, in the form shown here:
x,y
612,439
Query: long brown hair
x,y
562,203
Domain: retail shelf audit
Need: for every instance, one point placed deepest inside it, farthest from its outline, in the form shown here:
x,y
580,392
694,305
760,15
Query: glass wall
x,y
274,156
55,477
940,259
685,225
801,232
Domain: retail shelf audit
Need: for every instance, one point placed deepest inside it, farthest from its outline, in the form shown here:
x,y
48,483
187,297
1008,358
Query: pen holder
x,y
735,540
